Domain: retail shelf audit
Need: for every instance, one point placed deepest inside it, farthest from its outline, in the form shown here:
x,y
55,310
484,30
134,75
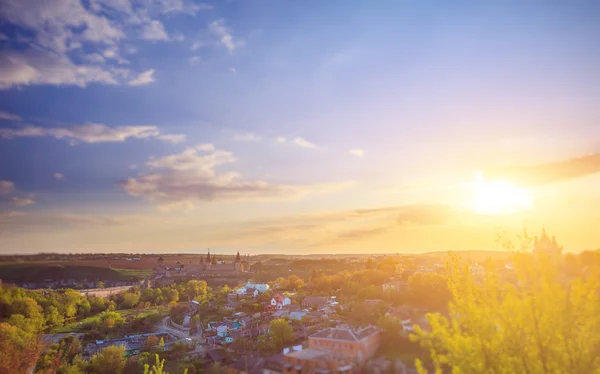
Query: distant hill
x,y
35,273
472,255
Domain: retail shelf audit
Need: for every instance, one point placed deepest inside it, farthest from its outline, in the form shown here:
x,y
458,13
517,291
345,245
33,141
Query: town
x,y
345,314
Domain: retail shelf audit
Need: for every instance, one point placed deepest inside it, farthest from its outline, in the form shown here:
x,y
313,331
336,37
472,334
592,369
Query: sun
x,y
497,196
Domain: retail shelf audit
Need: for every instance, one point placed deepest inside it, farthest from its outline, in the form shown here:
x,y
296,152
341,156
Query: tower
x,y
546,245
237,263
207,262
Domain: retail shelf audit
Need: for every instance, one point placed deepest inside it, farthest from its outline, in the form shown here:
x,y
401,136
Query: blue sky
x,y
108,109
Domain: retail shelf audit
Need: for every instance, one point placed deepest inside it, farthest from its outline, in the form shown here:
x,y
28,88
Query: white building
x,y
261,287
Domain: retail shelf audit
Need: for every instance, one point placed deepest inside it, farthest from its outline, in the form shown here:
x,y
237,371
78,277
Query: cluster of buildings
x,y
207,266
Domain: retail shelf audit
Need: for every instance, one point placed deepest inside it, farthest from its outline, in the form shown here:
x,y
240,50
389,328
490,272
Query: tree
x,y
130,300
150,343
281,333
429,290
195,288
173,295
295,282
110,360
100,284
19,349
161,344
541,323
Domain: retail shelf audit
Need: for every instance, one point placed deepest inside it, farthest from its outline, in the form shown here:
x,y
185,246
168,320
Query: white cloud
x,y
224,35
207,147
91,133
189,177
194,60
197,45
7,187
246,137
281,139
59,176
39,67
57,31
357,152
18,201
233,70
172,138
146,77
9,116
301,142
154,30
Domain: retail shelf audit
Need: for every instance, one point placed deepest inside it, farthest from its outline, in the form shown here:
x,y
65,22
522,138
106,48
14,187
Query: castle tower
x,y
546,245
237,263
161,262
207,261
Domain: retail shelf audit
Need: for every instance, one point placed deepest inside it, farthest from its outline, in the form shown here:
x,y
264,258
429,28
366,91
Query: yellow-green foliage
x,y
536,322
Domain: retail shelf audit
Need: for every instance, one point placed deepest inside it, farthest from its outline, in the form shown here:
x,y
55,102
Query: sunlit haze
x,y
297,127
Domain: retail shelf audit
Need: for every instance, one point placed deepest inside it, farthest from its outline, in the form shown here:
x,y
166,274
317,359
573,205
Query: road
x,y
104,292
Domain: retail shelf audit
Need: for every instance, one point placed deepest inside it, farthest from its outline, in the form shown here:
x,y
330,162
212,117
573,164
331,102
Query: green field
x,y
138,273
78,326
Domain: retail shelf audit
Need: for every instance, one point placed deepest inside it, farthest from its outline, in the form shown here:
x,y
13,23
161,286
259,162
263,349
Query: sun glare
x,y
497,197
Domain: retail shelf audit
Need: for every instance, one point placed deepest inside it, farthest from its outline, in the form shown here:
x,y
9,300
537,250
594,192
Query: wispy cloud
x,y
303,143
19,201
190,177
357,152
246,137
194,60
144,78
224,35
91,133
154,30
6,187
59,176
535,175
280,139
9,116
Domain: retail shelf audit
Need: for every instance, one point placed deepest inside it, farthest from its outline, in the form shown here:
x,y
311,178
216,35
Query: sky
x,y
297,127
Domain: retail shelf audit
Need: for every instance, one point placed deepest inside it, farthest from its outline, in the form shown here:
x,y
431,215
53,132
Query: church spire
x,y
237,257
208,256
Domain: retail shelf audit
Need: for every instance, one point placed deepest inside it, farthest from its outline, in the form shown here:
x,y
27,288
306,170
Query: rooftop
x,y
346,334
307,354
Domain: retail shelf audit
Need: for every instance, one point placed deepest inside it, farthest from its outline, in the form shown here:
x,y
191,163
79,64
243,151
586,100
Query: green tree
x,y
281,333
161,344
173,295
195,288
110,360
540,323
130,300
100,284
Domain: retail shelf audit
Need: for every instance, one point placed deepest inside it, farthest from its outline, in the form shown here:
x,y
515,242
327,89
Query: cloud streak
x,y
224,35
91,133
303,143
9,116
143,78
191,176
537,175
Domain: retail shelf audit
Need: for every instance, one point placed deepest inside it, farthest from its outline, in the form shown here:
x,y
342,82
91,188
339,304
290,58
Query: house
x,y
395,286
216,356
261,287
247,365
359,344
273,364
317,302
278,302
251,292
314,361
401,313
292,308
280,314
297,315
